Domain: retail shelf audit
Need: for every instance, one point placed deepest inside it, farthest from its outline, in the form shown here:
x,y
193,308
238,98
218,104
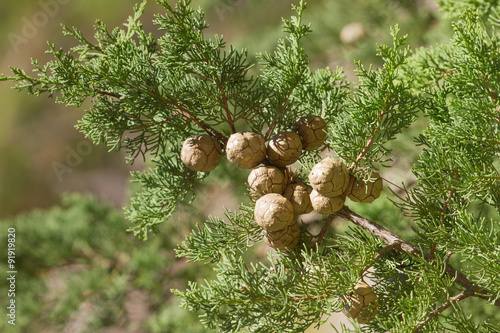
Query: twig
x,y
102,92
179,110
463,295
269,130
368,143
219,86
381,253
271,127
447,202
293,299
323,231
389,238
385,235
432,253
226,107
192,71
195,120
388,181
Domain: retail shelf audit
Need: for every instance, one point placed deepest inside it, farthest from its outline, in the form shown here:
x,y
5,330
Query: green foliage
x,y
456,8
91,273
380,108
460,143
148,95
217,237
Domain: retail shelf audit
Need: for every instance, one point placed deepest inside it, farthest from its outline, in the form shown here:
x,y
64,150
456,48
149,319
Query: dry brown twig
x,y
390,238
431,315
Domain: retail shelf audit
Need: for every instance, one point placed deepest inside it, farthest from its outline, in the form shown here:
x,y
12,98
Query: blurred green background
x,y
81,271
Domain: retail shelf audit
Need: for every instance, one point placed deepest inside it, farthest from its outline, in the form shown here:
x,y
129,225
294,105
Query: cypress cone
x,y
312,131
201,153
284,149
266,179
284,239
299,195
365,191
273,212
361,305
326,205
246,149
330,177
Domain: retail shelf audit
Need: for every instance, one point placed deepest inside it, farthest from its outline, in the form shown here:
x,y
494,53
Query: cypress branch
x,y
149,95
396,242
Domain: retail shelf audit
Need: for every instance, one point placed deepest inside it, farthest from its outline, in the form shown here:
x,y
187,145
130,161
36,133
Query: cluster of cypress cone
x,y
280,196
332,183
247,149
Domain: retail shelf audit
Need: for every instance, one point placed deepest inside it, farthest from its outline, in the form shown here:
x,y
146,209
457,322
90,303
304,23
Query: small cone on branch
x,y
299,195
201,153
273,212
266,179
312,131
284,149
246,149
284,239
361,304
365,192
326,205
330,177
